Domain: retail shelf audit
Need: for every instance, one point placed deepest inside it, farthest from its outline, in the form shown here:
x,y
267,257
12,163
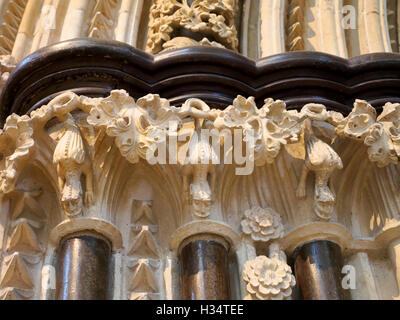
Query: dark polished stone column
x,y
83,268
318,266
205,270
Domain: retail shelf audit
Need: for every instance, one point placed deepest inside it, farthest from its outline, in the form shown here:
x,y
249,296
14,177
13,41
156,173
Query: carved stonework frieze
x,y
180,23
262,224
143,128
269,278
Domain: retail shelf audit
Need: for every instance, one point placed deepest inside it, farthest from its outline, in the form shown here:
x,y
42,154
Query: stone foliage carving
x,y
269,278
137,127
141,127
202,19
7,65
262,224
16,143
380,134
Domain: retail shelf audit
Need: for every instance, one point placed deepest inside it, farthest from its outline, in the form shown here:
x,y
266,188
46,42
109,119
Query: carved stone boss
x,y
138,128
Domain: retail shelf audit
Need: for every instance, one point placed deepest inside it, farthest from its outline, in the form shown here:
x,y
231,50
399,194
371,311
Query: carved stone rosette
x,y
176,24
269,278
262,224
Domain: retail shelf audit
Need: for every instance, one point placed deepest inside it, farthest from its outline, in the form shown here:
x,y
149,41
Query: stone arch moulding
x,y
95,67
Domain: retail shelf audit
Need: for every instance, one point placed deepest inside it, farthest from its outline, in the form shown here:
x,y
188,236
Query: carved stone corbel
x,y
199,166
319,158
71,158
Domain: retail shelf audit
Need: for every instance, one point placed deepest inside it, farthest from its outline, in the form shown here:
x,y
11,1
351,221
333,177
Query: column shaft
x,y
318,268
83,269
205,271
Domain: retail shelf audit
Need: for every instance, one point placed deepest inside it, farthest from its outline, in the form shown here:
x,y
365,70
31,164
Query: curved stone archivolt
x,y
266,27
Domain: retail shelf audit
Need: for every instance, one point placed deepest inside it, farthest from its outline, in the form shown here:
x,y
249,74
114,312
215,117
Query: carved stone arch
x,y
265,188
350,185
163,183
368,196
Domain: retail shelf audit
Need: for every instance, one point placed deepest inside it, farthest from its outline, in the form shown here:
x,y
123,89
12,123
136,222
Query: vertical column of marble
x,y
272,27
25,31
75,19
205,269
318,267
83,268
324,31
373,26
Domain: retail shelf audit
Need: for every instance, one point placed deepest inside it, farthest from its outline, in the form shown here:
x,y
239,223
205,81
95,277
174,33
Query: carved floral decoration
x,y
7,65
16,145
212,19
380,134
140,127
262,224
269,278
